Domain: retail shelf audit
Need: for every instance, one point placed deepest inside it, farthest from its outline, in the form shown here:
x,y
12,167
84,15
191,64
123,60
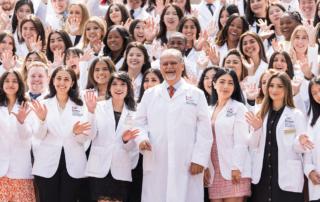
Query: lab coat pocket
x,y
148,161
43,156
294,173
188,114
23,158
94,162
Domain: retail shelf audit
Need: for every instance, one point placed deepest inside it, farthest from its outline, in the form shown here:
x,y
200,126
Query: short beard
x,y
170,78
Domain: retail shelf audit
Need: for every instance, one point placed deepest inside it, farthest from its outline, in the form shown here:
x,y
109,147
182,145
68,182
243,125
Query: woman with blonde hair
x,y
77,17
93,33
277,171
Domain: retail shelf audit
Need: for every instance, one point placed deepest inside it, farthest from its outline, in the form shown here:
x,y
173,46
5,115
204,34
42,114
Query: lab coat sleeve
x,y
95,9
313,57
83,67
240,136
25,129
298,101
40,130
254,138
91,118
308,163
129,146
149,49
141,121
301,127
42,13
204,136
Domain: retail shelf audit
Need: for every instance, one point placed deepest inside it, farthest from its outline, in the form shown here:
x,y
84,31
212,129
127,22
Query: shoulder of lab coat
x,y
119,63
313,56
83,68
149,50
95,9
298,101
143,15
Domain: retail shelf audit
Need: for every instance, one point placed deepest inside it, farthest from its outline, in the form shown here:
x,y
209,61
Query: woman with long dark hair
x,y
205,81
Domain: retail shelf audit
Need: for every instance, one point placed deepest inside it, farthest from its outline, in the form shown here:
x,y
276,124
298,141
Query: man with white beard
x,y
175,136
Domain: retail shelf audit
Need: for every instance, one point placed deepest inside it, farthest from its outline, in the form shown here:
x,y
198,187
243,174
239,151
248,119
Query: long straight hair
x,y
314,107
267,103
261,95
237,92
201,80
66,40
14,21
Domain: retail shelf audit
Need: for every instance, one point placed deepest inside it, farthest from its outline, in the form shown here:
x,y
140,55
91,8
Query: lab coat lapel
x,y
229,103
163,91
109,108
181,89
56,115
16,108
285,114
124,113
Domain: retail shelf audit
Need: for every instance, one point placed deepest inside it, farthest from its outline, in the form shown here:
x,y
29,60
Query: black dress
x,y
268,187
108,188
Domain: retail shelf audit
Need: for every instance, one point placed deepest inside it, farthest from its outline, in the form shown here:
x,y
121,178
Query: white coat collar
x,y
163,90
109,107
212,108
54,105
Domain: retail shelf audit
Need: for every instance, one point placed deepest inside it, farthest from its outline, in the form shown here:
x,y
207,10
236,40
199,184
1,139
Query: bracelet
x,y
74,135
147,42
311,77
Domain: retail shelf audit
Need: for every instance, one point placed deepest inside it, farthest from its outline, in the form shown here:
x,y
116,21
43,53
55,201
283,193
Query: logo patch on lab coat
x,y
128,120
230,112
76,112
190,101
289,122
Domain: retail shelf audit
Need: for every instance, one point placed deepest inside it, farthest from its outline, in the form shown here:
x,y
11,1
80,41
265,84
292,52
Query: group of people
x,y
154,101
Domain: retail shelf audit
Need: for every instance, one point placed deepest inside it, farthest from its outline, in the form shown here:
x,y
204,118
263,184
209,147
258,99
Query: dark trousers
x,y
135,188
61,187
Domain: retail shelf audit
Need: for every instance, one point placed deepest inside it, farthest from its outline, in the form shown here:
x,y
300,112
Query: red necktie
x,y
171,93
103,2
309,22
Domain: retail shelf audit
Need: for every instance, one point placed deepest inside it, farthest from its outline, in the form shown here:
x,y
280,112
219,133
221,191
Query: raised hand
x,y
79,129
35,45
150,30
57,59
145,145
314,177
306,67
252,92
48,30
235,176
244,84
129,135
127,24
193,80
253,120
202,61
212,28
156,48
266,34
96,45
164,47
296,83
264,25
214,55
198,43
40,110
311,31
23,112
74,26
159,7
20,61
90,100
275,45
8,60
249,67
5,20
293,55
195,12
305,142
88,55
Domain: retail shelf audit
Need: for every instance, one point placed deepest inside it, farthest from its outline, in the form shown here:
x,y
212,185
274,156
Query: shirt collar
x,y
136,11
176,85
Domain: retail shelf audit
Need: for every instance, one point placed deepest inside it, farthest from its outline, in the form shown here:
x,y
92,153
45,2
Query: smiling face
x,y
75,11
138,32
307,8
276,89
207,82
287,26
189,29
315,92
235,29
7,5
301,41
59,6
22,12
32,58
62,82
135,59
72,60
118,89
150,81
115,40
224,86
178,43
101,73
264,82
258,7
37,80
180,3
171,69
6,45
57,43
250,46
275,14
234,62
171,19
28,31
224,17
134,4
93,31
115,14
280,63
11,85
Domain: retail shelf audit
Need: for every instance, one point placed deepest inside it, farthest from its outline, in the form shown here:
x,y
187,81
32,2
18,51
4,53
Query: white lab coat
x,y
56,133
107,144
36,142
179,131
47,18
139,13
205,15
232,136
22,48
290,163
223,50
95,9
312,158
138,81
15,158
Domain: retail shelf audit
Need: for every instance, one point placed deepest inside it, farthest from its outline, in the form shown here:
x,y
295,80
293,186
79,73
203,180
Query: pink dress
x,y
222,188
